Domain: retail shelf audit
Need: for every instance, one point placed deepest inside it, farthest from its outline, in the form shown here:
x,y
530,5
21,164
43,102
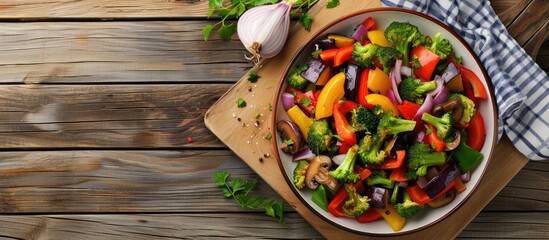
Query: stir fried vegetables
x,y
382,133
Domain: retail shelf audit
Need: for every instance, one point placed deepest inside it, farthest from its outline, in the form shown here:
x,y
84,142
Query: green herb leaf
x,y
206,31
301,67
270,107
240,103
215,3
263,2
305,101
227,31
239,190
253,77
415,62
269,136
332,4
306,20
288,142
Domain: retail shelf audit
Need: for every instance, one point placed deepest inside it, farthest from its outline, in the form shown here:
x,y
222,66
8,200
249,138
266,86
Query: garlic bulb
x,y
263,30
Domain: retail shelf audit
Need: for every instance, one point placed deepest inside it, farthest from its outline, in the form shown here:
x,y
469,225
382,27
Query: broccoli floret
x,y
345,172
440,47
370,146
413,90
444,124
362,119
391,125
420,156
370,150
297,81
357,204
403,35
408,208
363,55
468,107
320,137
299,174
387,56
379,177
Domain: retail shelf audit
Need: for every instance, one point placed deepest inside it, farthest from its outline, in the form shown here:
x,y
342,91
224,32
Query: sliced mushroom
x,y
454,143
289,131
317,173
453,105
443,200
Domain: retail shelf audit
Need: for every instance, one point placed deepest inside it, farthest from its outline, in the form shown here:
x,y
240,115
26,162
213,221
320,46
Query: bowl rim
x,y
323,31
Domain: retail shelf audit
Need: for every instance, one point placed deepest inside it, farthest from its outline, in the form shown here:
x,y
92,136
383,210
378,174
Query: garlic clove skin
x,y
263,30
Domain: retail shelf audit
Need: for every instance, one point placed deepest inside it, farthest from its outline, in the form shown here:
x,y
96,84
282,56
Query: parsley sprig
x,y
239,190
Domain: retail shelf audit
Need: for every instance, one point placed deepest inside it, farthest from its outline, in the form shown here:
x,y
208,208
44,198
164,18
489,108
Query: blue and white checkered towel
x,y
521,86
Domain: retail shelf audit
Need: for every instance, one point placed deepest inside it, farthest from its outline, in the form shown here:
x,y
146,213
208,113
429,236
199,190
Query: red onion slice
x,y
338,159
420,136
442,96
403,184
425,107
439,81
287,100
360,33
406,71
393,75
391,96
466,177
303,154
421,181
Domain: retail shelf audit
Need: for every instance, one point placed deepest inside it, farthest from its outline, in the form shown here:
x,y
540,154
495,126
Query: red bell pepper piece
x,y
335,206
434,140
369,23
428,60
344,148
399,174
417,194
448,188
475,83
391,163
369,216
364,173
343,54
344,130
363,89
306,100
328,55
408,109
476,132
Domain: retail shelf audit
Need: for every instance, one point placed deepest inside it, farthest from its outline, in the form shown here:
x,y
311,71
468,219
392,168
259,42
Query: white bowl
x,y
428,26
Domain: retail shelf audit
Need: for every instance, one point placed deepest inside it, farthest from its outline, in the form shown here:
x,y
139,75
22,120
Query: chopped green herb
x,y
288,142
415,62
239,190
269,136
332,4
253,77
306,20
315,53
270,107
257,115
305,102
240,103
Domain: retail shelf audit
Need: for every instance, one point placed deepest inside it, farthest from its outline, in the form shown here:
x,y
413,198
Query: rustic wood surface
x,y
97,99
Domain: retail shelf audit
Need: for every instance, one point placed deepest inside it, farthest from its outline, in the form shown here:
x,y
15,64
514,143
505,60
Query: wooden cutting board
x,y
244,133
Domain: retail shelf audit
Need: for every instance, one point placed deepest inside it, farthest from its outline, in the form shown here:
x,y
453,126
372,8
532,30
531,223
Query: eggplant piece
x,y
378,196
449,73
400,142
314,69
327,43
352,78
440,182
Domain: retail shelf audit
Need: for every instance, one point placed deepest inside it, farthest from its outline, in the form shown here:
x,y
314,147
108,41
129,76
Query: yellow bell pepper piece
x,y
379,81
300,119
342,41
383,101
332,92
378,37
391,217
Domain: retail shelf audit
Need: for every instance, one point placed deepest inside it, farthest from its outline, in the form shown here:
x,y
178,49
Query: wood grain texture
x,y
106,116
102,9
132,181
529,21
248,226
120,52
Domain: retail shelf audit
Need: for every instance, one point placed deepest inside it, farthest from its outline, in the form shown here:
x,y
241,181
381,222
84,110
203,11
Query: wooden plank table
x,y
99,97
